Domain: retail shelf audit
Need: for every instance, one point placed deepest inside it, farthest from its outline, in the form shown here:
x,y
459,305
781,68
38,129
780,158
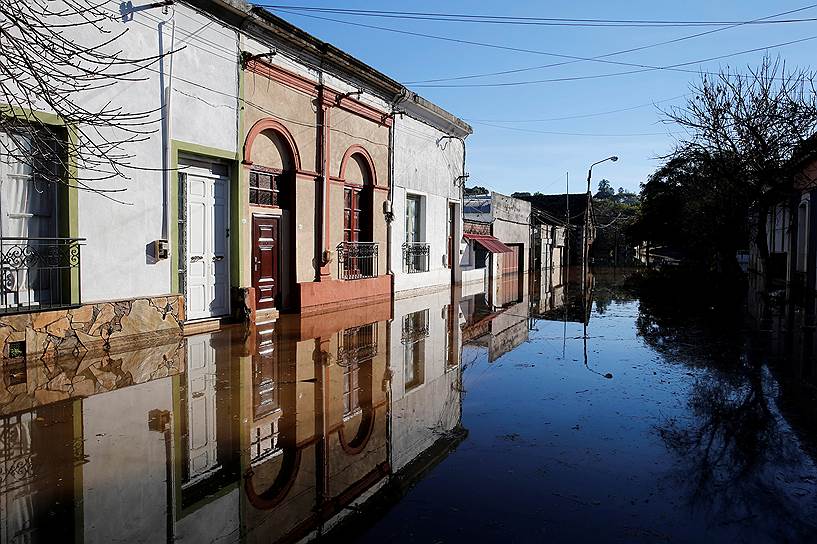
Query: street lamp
x,y
585,245
590,171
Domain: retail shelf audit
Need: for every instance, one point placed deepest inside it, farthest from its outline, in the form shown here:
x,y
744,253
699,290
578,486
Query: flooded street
x,y
627,411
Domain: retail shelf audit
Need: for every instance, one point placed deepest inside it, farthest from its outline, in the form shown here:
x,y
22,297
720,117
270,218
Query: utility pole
x,y
567,216
585,245
563,269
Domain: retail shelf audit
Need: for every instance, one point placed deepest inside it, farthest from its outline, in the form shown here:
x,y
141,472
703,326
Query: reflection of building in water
x,y
316,426
60,413
268,433
41,460
500,330
548,288
264,436
560,294
785,330
425,370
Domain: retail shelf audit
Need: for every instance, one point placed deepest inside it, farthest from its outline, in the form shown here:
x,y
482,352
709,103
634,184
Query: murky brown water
x,y
657,413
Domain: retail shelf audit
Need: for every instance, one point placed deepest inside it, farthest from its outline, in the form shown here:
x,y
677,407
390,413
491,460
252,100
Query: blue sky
x,y
522,157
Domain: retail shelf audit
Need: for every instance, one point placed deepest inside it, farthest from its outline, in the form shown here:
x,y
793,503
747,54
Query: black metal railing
x,y
415,327
39,273
357,260
415,257
357,345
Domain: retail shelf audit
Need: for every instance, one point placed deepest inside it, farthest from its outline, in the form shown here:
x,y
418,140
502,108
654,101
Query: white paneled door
x,y
207,223
201,405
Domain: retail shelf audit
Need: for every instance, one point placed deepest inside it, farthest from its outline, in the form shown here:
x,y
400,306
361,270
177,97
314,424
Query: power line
x,y
671,67
557,133
577,116
642,67
614,53
512,20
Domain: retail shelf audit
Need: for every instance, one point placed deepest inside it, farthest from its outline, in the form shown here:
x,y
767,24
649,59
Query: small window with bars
x,y
265,188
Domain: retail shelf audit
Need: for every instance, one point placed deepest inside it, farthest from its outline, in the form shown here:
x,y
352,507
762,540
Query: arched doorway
x,y
272,158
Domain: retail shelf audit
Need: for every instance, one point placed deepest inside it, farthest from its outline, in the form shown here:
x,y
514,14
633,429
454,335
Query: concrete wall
x,y
115,264
423,413
428,167
512,223
125,480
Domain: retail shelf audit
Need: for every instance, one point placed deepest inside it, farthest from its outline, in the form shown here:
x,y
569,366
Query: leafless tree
x,y
762,121
58,56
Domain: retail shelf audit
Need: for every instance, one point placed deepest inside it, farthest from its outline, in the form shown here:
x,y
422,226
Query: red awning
x,y
489,242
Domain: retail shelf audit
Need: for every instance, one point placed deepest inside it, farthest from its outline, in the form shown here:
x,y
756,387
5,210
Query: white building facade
x,y
240,187
429,173
497,257
116,274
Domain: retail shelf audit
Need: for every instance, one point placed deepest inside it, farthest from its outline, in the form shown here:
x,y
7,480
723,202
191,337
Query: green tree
x,y
605,190
474,191
614,215
694,204
759,122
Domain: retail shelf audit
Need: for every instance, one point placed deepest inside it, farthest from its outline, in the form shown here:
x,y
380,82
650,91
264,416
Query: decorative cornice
x,y
285,77
327,96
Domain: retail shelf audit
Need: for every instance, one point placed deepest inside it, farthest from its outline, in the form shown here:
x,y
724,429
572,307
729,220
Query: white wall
x,y
429,169
115,263
124,481
420,416
512,223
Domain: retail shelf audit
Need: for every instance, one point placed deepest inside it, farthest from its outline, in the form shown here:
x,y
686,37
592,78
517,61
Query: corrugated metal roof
x,y
489,242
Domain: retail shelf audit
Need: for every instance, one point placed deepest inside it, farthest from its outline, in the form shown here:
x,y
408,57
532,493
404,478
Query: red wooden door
x,y
351,215
265,256
452,228
511,270
352,226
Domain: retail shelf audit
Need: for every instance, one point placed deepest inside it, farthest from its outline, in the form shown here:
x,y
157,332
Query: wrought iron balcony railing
x,y
357,260
39,274
357,345
415,257
415,327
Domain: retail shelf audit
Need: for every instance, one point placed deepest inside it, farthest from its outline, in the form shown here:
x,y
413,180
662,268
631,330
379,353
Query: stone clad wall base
x,y
94,328
32,382
328,295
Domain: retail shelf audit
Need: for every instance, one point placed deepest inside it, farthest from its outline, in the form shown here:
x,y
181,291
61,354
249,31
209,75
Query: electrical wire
x,y
672,67
194,35
613,53
559,133
515,20
641,67
578,116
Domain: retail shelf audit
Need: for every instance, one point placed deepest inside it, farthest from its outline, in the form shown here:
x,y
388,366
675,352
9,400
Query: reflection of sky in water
x,y
665,423
557,451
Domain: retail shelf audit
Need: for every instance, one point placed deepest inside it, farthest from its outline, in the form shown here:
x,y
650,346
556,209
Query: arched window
x,y
272,171
357,200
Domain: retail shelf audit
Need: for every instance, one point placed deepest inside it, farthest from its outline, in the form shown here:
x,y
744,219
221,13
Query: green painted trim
x,y
79,511
31,115
68,213
177,446
237,206
207,500
177,148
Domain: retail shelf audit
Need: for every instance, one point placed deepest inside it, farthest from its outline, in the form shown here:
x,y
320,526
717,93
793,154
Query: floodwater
x,y
625,408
